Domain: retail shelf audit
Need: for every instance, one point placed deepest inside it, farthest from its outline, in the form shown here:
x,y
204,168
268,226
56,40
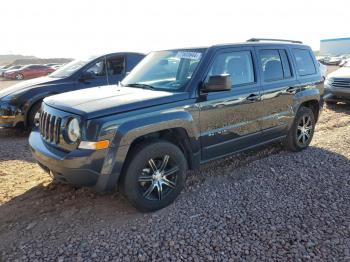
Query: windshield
x,y
165,70
71,68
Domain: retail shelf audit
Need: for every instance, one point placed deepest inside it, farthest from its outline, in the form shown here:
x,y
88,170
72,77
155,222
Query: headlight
x,y
328,82
73,130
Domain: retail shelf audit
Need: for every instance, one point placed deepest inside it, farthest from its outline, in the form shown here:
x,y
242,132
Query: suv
x,y
20,103
178,109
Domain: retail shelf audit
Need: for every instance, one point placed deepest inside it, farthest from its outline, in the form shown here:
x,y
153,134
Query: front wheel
x,y
19,77
301,133
155,175
34,116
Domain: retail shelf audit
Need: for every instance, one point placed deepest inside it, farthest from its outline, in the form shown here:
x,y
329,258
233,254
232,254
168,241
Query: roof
x,y
253,43
335,39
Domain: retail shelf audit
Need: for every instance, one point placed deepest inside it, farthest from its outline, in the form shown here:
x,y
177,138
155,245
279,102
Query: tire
x,y
19,77
301,133
32,119
148,159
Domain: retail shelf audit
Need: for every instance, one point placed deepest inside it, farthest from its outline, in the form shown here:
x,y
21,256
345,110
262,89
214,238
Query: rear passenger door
x,y
278,84
229,120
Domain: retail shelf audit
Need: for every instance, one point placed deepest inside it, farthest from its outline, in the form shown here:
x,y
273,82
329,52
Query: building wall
x,y
336,46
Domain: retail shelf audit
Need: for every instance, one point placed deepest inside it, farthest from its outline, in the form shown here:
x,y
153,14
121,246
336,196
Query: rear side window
x,y
115,65
275,64
285,62
304,61
238,65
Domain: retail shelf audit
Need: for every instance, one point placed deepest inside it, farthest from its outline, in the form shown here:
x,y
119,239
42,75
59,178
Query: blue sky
x,y
61,28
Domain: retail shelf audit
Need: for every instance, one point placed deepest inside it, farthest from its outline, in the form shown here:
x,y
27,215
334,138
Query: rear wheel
x,y
155,175
19,77
301,133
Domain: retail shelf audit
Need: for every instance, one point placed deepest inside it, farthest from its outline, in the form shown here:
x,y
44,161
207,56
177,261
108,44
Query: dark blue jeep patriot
x,y
178,109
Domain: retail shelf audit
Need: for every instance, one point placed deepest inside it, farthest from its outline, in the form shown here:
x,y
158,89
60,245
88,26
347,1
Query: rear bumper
x,y
79,167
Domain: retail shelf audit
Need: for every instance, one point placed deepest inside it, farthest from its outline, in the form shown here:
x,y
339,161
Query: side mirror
x,y
218,83
87,75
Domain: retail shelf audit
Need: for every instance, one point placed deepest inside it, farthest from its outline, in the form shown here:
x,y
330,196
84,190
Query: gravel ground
x,y
268,204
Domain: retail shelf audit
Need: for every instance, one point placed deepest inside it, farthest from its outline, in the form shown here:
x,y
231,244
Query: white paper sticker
x,y
189,55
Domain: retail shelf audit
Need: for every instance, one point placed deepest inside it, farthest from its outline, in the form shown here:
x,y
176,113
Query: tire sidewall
x,y
301,113
31,116
139,159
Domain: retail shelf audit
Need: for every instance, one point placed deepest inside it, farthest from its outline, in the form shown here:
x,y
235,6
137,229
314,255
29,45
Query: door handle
x,y
291,89
252,98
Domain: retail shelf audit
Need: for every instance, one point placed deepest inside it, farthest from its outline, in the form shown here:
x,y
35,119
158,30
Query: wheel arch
x,y
314,105
31,104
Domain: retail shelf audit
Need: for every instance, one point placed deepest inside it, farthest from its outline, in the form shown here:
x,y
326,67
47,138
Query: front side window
x,y
238,65
304,61
97,69
165,70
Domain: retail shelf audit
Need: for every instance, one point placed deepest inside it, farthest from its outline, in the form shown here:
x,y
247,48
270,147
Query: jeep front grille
x,y
50,127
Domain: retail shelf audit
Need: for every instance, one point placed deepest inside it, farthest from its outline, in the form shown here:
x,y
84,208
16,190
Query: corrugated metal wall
x,y
338,46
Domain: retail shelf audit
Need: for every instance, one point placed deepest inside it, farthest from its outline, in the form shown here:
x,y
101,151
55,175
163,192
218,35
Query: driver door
x,y
229,120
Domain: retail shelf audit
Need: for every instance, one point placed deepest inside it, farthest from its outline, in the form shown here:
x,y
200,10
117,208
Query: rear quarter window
x,y
304,62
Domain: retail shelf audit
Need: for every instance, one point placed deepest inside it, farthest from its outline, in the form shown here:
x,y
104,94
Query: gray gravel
x,y
265,205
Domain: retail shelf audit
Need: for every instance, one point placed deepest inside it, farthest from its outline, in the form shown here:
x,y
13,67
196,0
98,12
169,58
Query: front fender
x,y
127,132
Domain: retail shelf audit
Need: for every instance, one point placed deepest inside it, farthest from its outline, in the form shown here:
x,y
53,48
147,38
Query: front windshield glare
x,y
168,70
71,67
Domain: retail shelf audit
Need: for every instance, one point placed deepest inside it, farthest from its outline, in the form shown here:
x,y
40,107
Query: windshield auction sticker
x,y
189,55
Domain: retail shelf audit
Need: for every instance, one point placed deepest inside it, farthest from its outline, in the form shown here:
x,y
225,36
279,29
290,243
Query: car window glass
x,y
238,65
97,68
115,65
271,64
286,65
304,61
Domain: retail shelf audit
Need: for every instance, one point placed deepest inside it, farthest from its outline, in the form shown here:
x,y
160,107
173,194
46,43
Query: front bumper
x,y
10,115
79,167
10,76
337,94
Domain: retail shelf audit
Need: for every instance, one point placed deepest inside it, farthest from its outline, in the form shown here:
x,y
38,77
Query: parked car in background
x,y
20,103
344,62
337,85
28,71
323,69
177,109
335,60
10,68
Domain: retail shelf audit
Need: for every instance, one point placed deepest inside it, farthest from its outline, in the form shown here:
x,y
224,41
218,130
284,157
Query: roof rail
x,y
274,40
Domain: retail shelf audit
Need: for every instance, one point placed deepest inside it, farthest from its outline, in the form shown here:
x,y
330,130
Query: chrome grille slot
x,y
342,83
51,127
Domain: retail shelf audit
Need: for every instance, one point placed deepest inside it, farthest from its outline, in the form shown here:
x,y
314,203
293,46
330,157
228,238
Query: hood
x,y
113,99
27,84
343,72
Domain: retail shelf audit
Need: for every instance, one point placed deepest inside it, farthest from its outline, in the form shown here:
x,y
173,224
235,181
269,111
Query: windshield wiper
x,y
144,86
